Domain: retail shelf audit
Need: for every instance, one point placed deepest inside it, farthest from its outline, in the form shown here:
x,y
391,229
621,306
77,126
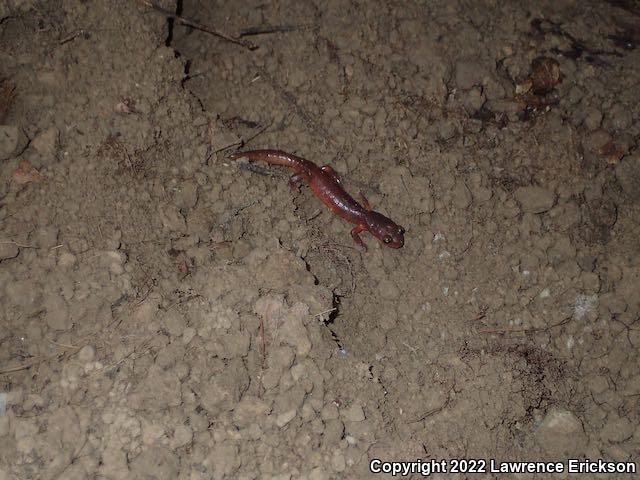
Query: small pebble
x,y
619,117
9,135
628,176
596,140
388,289
318,473
8,250
187,195
561,432
87,354
354,413
617,429
4,428
46,142
250,409
473,100
182,435
33,401
188,334
329,412
535,199
173,220
338,462
446,130
284,418
57,313
461,196
593,119
66,260
469,73
46,237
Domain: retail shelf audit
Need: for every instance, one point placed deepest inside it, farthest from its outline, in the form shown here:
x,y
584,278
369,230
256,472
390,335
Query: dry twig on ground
x,y
198,26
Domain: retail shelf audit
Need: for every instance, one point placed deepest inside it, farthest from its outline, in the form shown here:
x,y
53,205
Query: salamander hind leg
x,y
328,169
355,234
297,180
365,202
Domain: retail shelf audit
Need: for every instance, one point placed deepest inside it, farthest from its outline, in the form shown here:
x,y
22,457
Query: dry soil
x,y
166,313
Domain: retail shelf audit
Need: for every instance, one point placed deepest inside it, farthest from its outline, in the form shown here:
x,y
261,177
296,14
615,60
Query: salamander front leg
x,y
296,180
328,169
355,234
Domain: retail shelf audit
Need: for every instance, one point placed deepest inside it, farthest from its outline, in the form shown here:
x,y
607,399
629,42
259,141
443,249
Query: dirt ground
x,y
166,313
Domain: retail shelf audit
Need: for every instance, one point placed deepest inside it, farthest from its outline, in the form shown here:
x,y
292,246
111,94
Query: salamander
x,y
325,184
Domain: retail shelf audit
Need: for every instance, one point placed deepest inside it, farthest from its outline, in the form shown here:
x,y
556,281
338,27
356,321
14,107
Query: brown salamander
x,y
325,184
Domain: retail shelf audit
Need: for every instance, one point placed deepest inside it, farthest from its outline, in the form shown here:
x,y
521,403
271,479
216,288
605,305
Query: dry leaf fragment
x,y
25,173
612,152
545,74
524,86
126,107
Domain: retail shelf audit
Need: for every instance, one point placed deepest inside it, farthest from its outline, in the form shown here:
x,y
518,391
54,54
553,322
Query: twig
x,y
21,245
38,360
257,169
24,366
242,143
263,346
482,313
63,345
524,329
314,215
68,462
72,36
578,47
126,357
266,29
433,411
509,330
325,312
198,26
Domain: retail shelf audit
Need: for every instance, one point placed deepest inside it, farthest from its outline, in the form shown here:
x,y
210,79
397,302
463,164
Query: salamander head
x,y
385,230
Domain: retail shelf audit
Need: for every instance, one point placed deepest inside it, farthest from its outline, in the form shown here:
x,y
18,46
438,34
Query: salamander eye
x,y
401,230
386,239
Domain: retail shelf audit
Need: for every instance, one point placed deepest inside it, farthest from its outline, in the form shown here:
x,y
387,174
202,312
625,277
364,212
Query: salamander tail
x,y
272,157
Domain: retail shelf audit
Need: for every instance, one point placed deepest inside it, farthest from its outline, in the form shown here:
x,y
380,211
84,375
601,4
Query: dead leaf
x,y
25,173
545,74
126,107
524,86
612,152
